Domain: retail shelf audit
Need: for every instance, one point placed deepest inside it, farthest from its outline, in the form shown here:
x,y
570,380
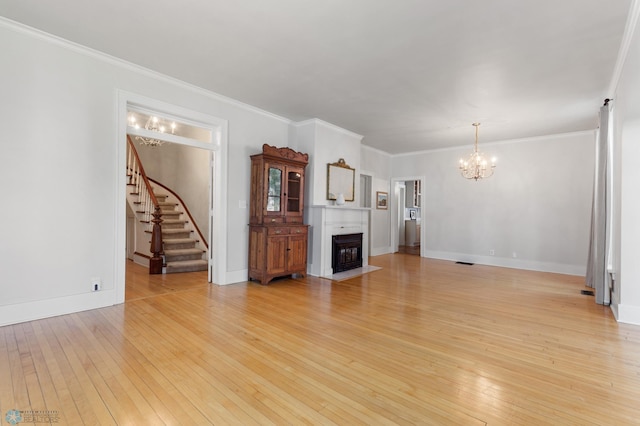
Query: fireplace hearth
x,y
346,252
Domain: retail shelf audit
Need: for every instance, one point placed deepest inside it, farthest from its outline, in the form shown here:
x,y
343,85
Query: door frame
x,y
395,215
218,184
366,196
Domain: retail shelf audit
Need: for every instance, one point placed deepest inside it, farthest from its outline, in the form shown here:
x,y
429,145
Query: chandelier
x,y
155,125
476,166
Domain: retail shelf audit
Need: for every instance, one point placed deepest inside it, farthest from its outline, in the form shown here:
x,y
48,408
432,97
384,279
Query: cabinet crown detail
x,y
285,152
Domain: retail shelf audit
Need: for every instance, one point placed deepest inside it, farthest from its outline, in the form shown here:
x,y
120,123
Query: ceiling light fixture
x,y
155,125
476,165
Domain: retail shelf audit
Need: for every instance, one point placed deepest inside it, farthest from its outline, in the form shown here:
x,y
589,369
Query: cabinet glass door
x,y
274,193
294,190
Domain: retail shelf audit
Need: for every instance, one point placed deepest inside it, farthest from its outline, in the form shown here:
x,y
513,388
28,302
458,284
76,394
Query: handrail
x,y
148,199
186,210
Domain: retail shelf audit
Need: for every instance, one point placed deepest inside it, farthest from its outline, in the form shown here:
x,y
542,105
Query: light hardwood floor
x,y
419,342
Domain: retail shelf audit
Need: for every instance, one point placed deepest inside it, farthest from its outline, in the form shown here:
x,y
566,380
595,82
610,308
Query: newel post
x,y
155,264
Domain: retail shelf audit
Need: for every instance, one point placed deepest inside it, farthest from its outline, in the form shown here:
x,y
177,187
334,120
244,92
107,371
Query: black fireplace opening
x,y
346,252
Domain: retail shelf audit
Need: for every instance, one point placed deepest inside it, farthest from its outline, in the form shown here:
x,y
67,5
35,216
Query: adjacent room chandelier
x,y
476,166
155,125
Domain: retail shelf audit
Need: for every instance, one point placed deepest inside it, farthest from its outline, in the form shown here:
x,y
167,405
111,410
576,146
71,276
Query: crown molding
x,y
503,142
376,150
629,30
115,61
319,122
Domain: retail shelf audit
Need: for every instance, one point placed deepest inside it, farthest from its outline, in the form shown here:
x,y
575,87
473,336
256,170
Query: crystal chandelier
x,y
476,166
155,125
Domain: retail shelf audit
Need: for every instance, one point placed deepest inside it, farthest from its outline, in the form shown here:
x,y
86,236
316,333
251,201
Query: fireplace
x,y
329,221
346,252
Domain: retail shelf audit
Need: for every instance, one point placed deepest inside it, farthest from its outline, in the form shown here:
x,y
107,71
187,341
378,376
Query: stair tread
x,y
186,263
179,240
184,251
186,266
175,231
169,232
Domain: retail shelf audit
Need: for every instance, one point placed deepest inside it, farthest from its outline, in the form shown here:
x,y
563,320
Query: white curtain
x,y
600,262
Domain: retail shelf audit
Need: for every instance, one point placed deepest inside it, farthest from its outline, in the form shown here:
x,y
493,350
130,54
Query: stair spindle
x,y
129,165
147,208
150,205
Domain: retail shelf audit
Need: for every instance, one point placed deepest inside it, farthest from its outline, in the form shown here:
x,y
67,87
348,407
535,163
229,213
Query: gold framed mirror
x,y
340,180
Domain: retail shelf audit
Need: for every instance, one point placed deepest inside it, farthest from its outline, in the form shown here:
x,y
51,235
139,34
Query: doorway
x,y
180,178
366,195
216,146
408,215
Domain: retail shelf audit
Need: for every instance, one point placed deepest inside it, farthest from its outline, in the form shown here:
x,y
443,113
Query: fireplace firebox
x,y
346,252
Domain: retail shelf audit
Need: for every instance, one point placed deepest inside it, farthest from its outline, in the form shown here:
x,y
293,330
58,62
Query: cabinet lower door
x,y
297,253
277,254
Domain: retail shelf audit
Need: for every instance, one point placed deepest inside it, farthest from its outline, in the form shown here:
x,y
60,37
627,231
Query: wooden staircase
x,y
174,244
181,252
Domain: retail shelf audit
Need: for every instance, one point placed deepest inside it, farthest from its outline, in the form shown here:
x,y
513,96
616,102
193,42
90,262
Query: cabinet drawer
x,y
294,219
298,230
279,219
277,230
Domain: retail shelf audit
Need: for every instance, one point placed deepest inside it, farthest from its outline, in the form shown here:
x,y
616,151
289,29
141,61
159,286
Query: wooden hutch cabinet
x,y
277,236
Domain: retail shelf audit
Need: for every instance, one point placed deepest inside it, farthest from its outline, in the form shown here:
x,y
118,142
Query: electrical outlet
x,y
96,284
492,252
514,254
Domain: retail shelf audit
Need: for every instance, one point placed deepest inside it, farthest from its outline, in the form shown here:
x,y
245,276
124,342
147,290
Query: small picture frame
x,y
382,200
412,214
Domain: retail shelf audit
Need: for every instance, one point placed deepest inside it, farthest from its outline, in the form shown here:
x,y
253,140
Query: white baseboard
x,y
31,311
505,262
141,260
614,308
377,251
234,277
628,314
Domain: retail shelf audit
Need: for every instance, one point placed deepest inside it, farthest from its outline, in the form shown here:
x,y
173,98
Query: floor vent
x,y
587,292
465,263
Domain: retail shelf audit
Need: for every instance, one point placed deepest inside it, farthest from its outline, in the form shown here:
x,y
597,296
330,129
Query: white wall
x,y
626,103
185,170
378,163
303,138
326,143
537,205
380,220
60,151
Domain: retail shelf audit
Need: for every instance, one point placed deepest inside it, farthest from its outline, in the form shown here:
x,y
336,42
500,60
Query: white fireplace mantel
x,y
326,221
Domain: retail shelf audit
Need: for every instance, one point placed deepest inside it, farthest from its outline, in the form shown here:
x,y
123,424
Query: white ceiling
x,y
408,75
